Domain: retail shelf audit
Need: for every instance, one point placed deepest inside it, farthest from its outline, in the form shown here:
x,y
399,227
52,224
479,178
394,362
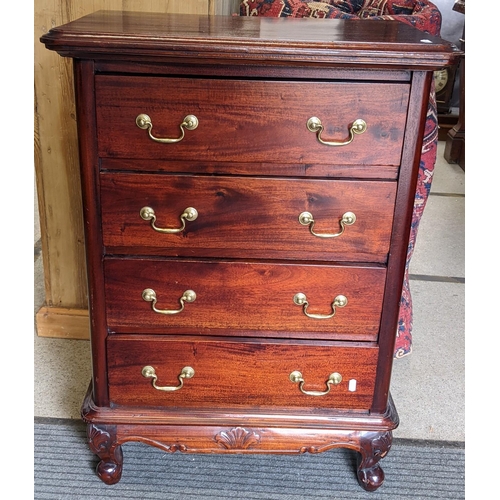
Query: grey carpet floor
x,y
64,468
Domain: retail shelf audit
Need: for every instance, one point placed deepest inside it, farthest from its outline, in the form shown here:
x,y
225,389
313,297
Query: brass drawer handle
x,y
314,125
144,122
333,379
307,219
190,214
186,372
149,295
301,300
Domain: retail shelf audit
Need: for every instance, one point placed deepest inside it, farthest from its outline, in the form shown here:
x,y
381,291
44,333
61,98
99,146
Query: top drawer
x,y
251,121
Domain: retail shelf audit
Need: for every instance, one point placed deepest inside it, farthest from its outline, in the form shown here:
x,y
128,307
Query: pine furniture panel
x,y
65,312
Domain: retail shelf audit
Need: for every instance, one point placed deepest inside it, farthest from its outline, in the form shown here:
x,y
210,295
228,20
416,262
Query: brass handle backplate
x,y
334,379
307,219
314,125
186,372
149,295
144,122
190,214
300,299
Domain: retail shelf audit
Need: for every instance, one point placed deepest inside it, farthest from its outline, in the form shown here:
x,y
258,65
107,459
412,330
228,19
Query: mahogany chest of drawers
x,y
248,187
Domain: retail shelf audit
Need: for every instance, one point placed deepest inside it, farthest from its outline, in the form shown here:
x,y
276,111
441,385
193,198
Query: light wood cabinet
x,y
65,312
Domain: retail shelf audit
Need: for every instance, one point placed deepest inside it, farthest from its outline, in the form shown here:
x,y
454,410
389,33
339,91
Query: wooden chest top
x,y
118,35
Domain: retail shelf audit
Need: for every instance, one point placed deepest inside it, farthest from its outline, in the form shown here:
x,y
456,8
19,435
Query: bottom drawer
x,y
241,372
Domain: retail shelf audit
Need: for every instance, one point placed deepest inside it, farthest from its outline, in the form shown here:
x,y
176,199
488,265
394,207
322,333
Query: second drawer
x,y
243,298
247,217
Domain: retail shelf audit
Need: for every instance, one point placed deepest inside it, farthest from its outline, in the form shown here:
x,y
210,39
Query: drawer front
x,y
251,121
238,298
238,373
247,217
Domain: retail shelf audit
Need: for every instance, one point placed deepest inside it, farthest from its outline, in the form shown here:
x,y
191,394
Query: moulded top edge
x,y
260,38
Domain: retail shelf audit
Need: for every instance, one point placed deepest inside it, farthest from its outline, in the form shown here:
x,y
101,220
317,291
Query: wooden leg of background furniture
x,y
454,151
373,447
102,442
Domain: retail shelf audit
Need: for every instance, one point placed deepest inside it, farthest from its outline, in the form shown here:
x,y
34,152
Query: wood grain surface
x,y
238,373
247,217
235,298
251,121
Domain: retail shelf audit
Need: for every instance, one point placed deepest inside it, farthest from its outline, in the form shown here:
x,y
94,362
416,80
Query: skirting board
x,y
64,323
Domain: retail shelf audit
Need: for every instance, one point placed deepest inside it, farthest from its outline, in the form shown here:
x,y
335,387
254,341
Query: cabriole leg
x,y
373,447
102,442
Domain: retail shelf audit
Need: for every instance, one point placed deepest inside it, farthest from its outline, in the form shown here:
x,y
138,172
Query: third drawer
x,y
236,298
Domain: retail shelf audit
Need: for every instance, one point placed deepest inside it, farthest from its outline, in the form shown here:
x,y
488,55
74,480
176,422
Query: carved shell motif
x,y
237,439
99,439
382,445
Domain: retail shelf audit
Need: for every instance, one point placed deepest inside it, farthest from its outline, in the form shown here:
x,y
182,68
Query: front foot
x,y
109,472
374,446
102,442
371,479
